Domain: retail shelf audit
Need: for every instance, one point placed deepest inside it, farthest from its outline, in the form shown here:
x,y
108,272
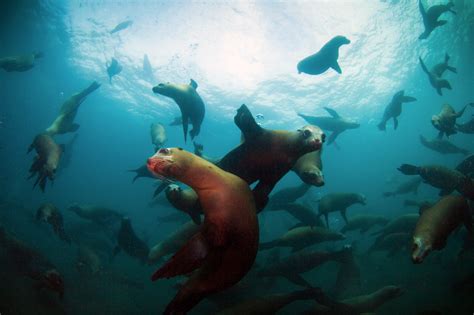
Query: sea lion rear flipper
x,y
185,119
333,137
186,260
409,169
297,279
344,216
336,67
246,123
193,84
332,112
395,123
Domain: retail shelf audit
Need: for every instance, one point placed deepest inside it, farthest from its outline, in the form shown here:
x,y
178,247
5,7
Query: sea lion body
x,y
19,63
305,215
421,205
309,168
224,249
325,58
113,68
410,186
189,102
339,202
430,17
88,261
437,223
128,240
50,214
440,68
64,122
46,162
394,109
184,200
121,26
405,223
436,81
99,215
158,135
363,223
334,123
467,166
445,121
442,146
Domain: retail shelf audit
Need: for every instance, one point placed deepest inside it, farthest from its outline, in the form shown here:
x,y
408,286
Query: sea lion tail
x,y
409,169
267,245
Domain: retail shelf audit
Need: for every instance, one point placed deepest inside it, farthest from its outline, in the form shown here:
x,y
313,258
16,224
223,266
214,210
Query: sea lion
x,y
305,215
97,214
20,63
113,68
437,223
430,17
121,26
348,280
407,187
394,109
334,123
445,121
405,223
88,261
436,81
173,243
467,166
363,223
467,127
158,135
50,214
288,195
443,146
46,161
421,205
64,123
441,67
339,202
189,102
393,243
31,263
128,240
184,200
225,247
140,172
309,168
301,237
325,58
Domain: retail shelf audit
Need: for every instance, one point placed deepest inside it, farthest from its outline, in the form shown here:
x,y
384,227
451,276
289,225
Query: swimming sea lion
x,y
305,215
225,247
467,127
467,166
64,123
363,223
128,240
88,261
393,243
46,162
437,223
184,200
178,121
407,187
442,146
436,81
405,223
421,205
97,214
113,68
325,58
348,280
339,202
20,63
173,243
50,214
441,67
430,17
334,123
445,121
158,135
121,26
288,195
189,102
309,168
394,109
31,263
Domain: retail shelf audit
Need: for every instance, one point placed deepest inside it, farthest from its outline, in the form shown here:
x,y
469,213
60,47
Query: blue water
x,y
238,52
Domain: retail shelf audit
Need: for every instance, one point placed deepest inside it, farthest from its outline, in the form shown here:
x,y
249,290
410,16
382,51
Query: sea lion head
x,y
313,177
361,199
420,250
53,281
165,164
74,207
436,121
166,89
341,40
392,291
312,137
173,191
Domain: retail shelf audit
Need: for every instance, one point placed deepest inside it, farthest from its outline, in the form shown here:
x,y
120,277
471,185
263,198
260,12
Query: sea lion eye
x,y
164,151
323,137
307,133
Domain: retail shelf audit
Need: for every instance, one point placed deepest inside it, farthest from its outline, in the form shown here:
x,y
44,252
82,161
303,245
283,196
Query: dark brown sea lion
x,y
437,223
309,168
189,102
130,243
20,63
430,16
363,223
184,200
437,82
410,186
325,58
440,68
445,121
405,223
225,247
50,214
339,202
442,146
394,109
46,162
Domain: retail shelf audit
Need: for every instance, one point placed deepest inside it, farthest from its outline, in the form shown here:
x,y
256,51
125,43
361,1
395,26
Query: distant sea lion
x,y
437,223
113,68
64,123
20,63
441,67
430,17
189,102
305,215
184,200
50,213
421,205
325,58
309,168
334,123
436,81
394,109
445,121
158,135
88,261
442,146
467,127
363,223
339,202
467,166
288,195
405,223
407,187
121,26
129,242
225,247
46,162
97,214
178,121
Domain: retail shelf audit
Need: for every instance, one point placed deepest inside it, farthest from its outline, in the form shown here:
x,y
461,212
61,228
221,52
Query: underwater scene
x,y
237,157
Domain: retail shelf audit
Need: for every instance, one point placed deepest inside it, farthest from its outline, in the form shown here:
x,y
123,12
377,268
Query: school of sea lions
x,y
217,247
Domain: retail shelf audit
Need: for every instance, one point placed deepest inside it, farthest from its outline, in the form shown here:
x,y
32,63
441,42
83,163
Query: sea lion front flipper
x,y
441,22
185,120
186,260
423,66
195,216
246,123
422,10
333,137
193,84
344,216
336,67
395,123
409,169
297,279
408,99
332,112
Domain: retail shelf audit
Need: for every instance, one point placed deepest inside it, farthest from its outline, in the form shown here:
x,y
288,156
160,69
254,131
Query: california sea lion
x,y
392,243
184,200
68,153
305,215
334,123
339,202
467,166
121,26
50,214
309,168
442,146
441,67
64,123
445,121
174,242
97,214
113,68
467,127
225,247
189,102
288,195
437,223
363,223
31,263
301,237
46,162
394,109
128,240
325,58
410,186
430,17
436,81
158,135
20,63
199,151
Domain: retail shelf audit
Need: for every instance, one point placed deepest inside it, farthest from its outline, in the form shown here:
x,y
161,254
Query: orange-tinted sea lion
x,y
410,186
50,214
437,223
394,109
445,121
225,247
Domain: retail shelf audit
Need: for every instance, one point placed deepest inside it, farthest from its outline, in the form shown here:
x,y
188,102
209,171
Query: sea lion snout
x,y
419,251
54,281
